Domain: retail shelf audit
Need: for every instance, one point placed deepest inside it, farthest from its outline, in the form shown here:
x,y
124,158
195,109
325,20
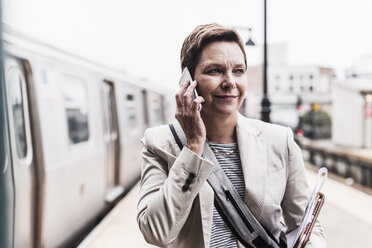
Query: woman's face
x,y
221,78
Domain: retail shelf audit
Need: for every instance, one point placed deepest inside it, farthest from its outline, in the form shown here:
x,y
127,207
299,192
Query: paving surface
x,y
346,215
119,228
346,218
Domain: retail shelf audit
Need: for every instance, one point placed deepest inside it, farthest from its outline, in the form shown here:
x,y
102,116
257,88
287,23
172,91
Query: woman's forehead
x,y
221,53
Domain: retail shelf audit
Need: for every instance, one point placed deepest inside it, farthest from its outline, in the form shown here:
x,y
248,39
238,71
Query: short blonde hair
x,y
203,35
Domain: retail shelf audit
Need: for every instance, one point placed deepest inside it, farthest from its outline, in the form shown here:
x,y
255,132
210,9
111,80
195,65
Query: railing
x,y
353,164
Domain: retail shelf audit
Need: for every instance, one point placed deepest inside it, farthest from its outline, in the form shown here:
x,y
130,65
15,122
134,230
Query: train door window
x,y
75,98
157,109
145,112
17,95
130,103
108,108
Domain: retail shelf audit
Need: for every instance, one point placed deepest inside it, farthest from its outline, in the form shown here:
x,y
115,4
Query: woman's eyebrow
x,y
240,65
208,65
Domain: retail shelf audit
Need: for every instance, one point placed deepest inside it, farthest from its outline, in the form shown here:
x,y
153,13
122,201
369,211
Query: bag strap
x,y
178,141
229,204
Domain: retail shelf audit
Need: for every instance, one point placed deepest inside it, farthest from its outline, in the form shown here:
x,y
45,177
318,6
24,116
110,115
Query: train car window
x,y
130,97
131,110
16,96
76,107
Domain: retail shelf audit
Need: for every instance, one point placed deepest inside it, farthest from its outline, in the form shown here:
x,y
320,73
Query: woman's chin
x,y
224,111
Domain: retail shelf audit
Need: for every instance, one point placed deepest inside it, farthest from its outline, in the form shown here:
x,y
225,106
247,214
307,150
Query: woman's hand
x,y
189,117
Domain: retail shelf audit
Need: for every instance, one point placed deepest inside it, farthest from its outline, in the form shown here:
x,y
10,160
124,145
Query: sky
x,y
144,38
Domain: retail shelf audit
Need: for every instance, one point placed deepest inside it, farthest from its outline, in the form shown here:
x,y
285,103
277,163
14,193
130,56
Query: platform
x,y
346,218
119,228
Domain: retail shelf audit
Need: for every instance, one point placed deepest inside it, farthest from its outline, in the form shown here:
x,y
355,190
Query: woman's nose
x,y
228,81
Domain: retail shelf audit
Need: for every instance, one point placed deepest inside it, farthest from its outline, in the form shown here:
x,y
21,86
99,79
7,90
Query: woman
x,y
262,161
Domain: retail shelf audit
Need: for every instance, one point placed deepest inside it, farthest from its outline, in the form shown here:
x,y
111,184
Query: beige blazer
x,y
274,175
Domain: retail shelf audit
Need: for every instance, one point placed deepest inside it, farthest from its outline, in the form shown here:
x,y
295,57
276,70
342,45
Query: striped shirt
x,y
229,159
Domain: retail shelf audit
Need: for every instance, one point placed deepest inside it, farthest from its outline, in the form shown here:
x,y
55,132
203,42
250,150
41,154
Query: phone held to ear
x,y
187,76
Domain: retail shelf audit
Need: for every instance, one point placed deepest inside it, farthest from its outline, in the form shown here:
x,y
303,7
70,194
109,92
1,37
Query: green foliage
x,y
316,118
316,124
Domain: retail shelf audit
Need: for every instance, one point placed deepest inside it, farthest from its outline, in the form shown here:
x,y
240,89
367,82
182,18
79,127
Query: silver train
x,y
74,131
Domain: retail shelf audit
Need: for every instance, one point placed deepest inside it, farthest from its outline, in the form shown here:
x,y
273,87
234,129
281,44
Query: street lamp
x,y
250,41
265,103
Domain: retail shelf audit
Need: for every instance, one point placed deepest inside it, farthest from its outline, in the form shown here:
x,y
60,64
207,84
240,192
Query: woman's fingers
x,y
179,95
187,97
195,104
188,116
187,107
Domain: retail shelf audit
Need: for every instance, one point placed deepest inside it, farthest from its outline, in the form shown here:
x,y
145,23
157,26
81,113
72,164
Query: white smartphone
x,y
187,76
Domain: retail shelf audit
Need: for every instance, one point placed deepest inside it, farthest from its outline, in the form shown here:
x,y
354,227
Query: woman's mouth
x,y
228,98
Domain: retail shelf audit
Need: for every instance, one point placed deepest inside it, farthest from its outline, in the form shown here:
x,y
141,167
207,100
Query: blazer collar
x,y
252,149
249,125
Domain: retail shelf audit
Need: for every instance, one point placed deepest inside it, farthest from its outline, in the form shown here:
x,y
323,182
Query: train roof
x,y
17,41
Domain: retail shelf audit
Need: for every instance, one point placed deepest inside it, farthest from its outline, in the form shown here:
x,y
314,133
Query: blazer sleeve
x,y
297,194
165,196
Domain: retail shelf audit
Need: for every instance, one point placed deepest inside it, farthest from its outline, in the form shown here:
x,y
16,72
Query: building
x,y
299,80
352,118
287,85
291,80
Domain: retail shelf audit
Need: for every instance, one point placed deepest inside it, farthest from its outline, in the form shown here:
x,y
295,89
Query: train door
x,y
22,152
131,123
155,103
111,139
6,177
368,120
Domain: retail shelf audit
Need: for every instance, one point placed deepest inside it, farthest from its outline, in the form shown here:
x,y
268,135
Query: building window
x,y
311,88
291,77
291,88
311,76
76,107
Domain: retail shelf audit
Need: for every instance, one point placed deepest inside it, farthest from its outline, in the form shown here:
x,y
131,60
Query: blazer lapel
x,y
254,163
253,158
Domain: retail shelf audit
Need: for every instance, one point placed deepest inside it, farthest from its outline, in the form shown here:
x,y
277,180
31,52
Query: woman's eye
x,y
239,71
214,71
